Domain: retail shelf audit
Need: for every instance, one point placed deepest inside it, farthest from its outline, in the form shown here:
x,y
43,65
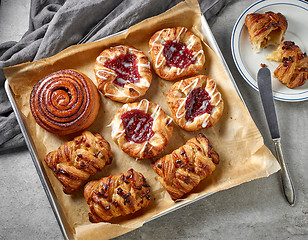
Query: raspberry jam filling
x,y
126,68
177,54
197,103
137,125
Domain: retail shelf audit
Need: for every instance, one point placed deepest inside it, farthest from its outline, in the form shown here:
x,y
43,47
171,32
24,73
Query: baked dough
x,y
265,29
195,103
64,102
75,161
141,129
293,69
123,73
183,169
176,52
116,196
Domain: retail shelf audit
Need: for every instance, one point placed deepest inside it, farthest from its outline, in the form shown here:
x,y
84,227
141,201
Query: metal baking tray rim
x,y
66,230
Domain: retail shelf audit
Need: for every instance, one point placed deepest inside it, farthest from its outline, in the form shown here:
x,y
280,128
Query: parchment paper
x,y
243,155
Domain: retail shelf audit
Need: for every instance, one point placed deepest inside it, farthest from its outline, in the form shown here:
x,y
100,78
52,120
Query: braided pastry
x,y
116,196
65,102
183,169
75,161
293,69
141,129
123,73
195,103
176,52
266,29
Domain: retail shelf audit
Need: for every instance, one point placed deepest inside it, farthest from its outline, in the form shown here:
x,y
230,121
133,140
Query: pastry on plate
x,y
123,73
141,129
176,52
265,29
195,103
75,161
116,196
65,102
293,69
183,169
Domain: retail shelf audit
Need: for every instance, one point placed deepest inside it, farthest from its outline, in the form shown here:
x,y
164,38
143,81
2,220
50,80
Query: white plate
x,y
248,62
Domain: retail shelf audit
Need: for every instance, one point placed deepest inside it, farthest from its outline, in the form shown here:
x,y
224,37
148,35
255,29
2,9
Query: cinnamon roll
x,y
65,102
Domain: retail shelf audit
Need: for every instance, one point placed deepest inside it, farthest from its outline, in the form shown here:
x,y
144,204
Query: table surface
x,y
254,210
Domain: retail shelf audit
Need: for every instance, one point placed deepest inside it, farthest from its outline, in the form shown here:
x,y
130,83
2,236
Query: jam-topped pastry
x,y
195,103
123,73
265,29
141,129
183,169
176,52
65,102
116,195
293,68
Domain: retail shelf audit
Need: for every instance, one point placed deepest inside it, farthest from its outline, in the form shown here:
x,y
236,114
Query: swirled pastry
x,y
266,29
123,73
141,129
116,196
293,69
65,102
183,169
75,161
176,52
195,103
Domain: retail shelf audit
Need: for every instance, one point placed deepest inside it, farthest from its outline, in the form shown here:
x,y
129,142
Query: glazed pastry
x,y
293,69
183,169
123,73
75,161
265,29
176,52
141,129
65,102
116,196
195,103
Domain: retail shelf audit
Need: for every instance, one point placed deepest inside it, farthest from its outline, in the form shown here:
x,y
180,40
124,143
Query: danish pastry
x,y
141,129
265,29
75,161
65,102
123,73
176,52
195,103
293,69
116,196
183,169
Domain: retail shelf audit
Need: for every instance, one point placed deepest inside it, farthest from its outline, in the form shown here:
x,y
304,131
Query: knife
x,y
265,90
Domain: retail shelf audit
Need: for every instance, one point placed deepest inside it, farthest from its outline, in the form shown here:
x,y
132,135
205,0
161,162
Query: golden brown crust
x,y
75,161
293,69
106,77
177,101
162,130
177,34
265,29
183,169
65,102
116,196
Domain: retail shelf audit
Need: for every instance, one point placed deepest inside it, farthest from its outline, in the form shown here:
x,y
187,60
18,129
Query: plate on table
x,y
249,62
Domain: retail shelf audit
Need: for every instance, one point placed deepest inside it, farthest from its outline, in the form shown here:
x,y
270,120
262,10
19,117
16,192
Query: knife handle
x,y
287,185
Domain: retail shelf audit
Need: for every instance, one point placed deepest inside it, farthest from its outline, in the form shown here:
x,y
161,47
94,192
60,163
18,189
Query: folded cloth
x,y
56,24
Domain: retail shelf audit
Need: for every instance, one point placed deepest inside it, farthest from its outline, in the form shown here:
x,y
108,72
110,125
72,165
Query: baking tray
x,y
66,230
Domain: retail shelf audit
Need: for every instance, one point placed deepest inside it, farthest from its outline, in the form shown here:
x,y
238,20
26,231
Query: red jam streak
x,y
177,54
197,103
126,68
137,125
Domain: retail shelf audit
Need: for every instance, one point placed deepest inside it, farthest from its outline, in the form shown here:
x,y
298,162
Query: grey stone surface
x,y
254,210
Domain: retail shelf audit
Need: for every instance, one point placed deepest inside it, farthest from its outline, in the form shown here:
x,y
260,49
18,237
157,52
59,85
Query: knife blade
x,y
266,94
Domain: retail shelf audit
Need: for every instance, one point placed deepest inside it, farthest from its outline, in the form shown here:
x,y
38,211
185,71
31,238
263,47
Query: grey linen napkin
x,y
56,24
